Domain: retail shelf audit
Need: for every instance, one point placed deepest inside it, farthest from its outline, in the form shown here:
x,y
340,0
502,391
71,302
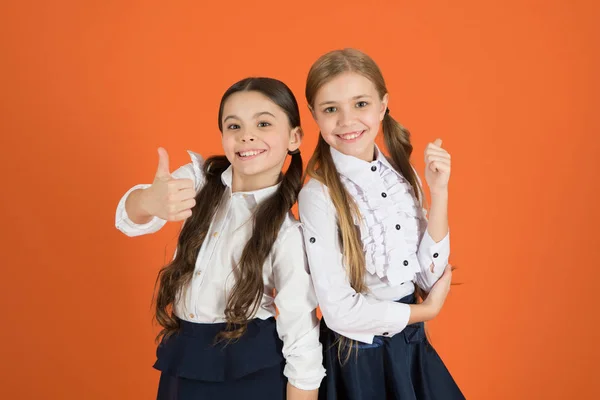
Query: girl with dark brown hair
x,y
239,243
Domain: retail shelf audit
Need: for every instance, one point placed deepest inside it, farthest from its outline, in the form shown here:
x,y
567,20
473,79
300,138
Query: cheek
x,y
279,142
326,124
228,144
372,120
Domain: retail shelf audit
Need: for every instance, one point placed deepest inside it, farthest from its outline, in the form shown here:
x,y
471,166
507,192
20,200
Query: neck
x,y
367,155
250,183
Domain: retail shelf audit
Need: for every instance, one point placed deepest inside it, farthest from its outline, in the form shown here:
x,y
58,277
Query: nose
x,y
345,117
246,136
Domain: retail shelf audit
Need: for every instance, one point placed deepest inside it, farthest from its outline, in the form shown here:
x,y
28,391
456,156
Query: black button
x,y
405,263
384,195
373,168
398,226
385,333
435,255
312,240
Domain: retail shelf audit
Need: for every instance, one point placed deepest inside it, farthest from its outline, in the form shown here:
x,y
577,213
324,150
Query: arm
x,y
293,393
145,208
297,323
345,311
434,248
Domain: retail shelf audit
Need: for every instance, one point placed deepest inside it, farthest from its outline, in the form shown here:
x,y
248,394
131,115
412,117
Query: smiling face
x,y
348,110
256,138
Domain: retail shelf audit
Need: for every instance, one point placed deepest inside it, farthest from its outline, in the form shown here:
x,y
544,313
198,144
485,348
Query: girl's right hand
x,y
168,198
438,293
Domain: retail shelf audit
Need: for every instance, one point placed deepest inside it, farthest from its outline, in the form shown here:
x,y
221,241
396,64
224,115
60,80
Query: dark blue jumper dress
x,y
402,367
194,367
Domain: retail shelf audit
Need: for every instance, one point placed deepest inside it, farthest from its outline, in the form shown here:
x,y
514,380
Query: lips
x,y
351,136
249,154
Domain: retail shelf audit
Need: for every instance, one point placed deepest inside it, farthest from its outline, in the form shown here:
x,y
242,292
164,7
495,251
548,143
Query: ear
x,y
295,138
384,106
312,111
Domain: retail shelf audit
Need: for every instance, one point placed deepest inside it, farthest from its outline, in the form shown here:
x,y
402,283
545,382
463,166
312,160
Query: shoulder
x,y
313,191
290,231
192,170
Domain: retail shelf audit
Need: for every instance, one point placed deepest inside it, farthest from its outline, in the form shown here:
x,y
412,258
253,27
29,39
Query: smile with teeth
x,y
249,153
351,135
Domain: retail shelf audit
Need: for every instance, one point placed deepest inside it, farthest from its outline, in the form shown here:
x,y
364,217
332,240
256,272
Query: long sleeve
x,y
297,324
432,253
351,314
429,252
123,223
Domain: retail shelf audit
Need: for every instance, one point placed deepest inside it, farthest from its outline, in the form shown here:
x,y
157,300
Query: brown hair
x,y
245,296
322,168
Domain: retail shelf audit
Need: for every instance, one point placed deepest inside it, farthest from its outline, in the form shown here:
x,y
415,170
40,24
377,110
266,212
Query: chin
x,y
356,151
247,170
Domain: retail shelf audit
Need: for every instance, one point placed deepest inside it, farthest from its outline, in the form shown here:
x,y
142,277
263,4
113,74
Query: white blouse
x,y
285,270
398,249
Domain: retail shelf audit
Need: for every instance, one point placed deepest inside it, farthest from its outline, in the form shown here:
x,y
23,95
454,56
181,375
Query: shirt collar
x,y
257,195
357,170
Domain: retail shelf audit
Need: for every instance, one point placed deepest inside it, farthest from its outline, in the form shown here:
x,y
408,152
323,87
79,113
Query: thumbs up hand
x,y
169,198
437,167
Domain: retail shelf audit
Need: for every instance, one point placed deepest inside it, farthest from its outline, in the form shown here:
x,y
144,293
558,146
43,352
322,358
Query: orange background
x,y
89,90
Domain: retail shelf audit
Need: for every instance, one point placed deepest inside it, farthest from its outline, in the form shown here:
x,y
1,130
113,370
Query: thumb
x,y
163,164
438,142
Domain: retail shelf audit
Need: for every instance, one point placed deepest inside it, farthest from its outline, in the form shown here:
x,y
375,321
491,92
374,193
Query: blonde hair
x,y
322,168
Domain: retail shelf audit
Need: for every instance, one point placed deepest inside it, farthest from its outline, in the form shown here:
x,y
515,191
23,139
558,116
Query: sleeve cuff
x,y
126,225
307,384
304,362
432,252
400,316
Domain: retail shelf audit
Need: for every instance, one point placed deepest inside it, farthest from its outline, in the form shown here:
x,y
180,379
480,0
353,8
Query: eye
x,y
233,127
329,110
361,104
263,124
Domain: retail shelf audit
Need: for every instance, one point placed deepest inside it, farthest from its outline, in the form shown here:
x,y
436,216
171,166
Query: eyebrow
x,y
354,98
258,114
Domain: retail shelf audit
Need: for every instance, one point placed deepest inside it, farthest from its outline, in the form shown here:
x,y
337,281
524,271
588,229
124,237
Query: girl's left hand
x,y
437,167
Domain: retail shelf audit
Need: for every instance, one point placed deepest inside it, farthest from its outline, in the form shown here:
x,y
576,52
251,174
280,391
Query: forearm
x,y
293,393
134,205
421,313
438,216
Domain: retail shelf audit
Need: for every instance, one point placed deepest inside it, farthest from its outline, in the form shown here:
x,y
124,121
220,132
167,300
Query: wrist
x,y
439,193
145,203
430,310
421,312
134,207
